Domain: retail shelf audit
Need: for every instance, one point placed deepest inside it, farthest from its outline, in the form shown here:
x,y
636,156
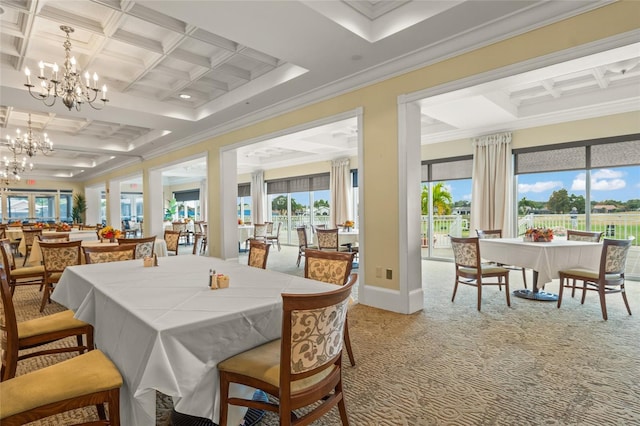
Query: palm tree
x,y
442,199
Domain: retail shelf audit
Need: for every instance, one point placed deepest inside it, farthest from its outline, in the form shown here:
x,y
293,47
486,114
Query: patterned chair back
x,y
8,261
329,267
105,254
260,231
489,233
302,236
319,318
465,252
614,257
30,235
269,227
258,254
57,237
144,246
172,238
57,256
327,239
588,236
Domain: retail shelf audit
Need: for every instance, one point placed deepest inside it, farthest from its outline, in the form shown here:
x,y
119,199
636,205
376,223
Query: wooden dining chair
x,y
55,258
327,239
105,254
89,379
588,236
184,232
144,245
29,236
470,270
172,238
258,254
303,244
37,333
333,268
260,232
28,275
301,369
57,237
608,278
274,237
3,230
497,233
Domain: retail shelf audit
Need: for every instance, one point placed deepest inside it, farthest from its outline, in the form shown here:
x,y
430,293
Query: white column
x,y
114,217
93,197
153,203
228,201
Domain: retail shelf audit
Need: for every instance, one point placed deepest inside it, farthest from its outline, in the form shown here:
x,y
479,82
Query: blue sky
x,y
620,183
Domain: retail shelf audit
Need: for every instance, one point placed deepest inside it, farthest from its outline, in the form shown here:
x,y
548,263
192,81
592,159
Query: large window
x,y
188,204
446,204
244,202
298,201
131,206
38,206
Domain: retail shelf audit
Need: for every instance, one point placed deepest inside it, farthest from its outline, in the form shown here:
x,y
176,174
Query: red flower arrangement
x,y
539,235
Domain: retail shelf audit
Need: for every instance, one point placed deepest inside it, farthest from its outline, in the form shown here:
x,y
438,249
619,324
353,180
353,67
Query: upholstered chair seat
x,y
78,377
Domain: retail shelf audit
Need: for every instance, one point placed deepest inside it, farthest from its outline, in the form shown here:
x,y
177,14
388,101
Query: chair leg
x,y
603,302
26,256
113,401
342,408
46,296
624,297
524,277
560,291
347,343
506,290
573,289
455,289
224,396
298,262
479,294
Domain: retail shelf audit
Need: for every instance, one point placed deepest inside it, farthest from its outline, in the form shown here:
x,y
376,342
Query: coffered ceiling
x,y
238,61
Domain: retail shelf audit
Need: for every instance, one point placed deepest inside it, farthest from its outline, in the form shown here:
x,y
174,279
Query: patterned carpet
x,y
531,364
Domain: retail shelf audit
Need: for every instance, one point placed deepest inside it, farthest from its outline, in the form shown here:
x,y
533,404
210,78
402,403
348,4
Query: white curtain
x,y
492,193
258,197
340,188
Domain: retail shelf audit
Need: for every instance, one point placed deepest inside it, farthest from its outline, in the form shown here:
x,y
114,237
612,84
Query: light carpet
x,y
531,364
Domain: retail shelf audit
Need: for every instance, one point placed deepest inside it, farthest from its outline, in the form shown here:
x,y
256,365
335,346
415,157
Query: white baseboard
x,y
390,300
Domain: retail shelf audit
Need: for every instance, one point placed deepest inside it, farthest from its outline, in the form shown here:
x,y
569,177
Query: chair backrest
x,y
179,226
144,246
104,254
466,252
8,330
594,237
314,228
319,318
269,227
197,241
8,261
57,237
260,230
30,235
258,254
172,238
328,266
327,239
614,257
489,233
3,230
57,256
302,236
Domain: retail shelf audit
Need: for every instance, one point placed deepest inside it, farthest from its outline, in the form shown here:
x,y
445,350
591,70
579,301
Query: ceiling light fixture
x,y
12,170
185,96
67,83
623,66
29,143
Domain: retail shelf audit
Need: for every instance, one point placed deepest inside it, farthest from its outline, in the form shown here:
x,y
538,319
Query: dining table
x,y
166,330
244,233
546,259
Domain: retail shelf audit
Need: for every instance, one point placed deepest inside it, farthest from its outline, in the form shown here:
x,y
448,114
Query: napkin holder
x,y
223,281
148,261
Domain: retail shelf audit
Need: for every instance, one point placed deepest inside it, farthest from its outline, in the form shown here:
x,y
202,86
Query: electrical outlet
x,y
389,274
378,271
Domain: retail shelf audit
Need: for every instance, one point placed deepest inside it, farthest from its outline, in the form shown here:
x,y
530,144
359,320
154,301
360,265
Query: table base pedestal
x,y
539,295
251,418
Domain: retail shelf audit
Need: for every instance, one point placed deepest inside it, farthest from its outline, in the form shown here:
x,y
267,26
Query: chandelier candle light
x,y
29,143
67,83
12,170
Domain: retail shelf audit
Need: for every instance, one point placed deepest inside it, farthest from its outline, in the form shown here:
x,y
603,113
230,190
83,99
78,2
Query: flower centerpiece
x,y
348,224
109,233
539,235
63,227
240,221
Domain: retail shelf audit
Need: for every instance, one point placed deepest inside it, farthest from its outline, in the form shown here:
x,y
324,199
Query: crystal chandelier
x,y
29,143
67,83
12,170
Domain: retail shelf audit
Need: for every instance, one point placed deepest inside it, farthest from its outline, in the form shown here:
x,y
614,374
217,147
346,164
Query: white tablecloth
x,y
545,258
348,237
166,330
244,232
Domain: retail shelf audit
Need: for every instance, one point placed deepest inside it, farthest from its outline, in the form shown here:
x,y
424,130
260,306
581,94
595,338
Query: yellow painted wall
x,y
380,127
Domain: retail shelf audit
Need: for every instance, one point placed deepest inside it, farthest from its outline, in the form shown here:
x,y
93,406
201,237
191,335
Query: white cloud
x,y
601,180
538,186
466,197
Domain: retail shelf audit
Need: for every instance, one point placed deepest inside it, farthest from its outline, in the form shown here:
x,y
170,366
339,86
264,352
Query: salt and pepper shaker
x,y
213,284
